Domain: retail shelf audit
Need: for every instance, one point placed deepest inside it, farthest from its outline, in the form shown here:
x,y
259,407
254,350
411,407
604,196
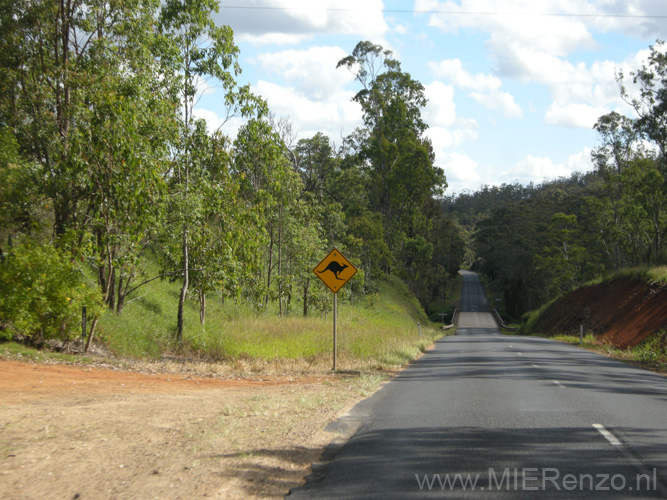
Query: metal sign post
x,y
334,271
335,321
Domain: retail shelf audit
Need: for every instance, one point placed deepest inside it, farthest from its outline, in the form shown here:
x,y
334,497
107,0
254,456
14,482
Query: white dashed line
x,y
558,384
608,435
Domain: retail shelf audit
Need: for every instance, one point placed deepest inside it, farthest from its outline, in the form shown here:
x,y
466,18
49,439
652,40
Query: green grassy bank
x,y
375,332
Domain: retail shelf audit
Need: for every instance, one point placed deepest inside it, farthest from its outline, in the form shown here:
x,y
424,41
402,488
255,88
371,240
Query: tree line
x,y
108,178
537,242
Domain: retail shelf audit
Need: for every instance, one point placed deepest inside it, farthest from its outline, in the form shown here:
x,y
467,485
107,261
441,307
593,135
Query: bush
x,y
653,349
41,295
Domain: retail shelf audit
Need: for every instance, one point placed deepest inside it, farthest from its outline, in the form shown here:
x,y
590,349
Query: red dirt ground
x,y
94,433
624,312
20,380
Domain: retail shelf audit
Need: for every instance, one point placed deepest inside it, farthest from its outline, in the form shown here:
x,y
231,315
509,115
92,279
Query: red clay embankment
x,y
624,311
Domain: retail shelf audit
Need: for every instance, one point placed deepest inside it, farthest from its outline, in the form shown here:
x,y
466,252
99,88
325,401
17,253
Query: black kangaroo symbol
x,y
334,267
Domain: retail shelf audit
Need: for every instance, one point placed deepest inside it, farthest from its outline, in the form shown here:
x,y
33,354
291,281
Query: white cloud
x,y
313,70
400,29
291,21
335,115
309,90
539,169
486,88
461,172
440,111
530,41
502,101
520,20
446,130
574,115
452,70
273,39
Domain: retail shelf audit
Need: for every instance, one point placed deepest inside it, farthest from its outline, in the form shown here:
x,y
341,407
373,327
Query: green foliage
x,y
101,155
401,180
42,295
653,350
375,331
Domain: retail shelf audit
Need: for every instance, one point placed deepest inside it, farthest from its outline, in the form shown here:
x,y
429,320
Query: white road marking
x,y
535,366
520,354
558,384
608,435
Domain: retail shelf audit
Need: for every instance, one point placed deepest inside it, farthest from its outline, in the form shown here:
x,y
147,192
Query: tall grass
x,y
379,331
651,353
644,273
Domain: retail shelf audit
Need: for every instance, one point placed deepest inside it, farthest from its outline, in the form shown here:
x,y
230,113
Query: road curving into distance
x,y
489,416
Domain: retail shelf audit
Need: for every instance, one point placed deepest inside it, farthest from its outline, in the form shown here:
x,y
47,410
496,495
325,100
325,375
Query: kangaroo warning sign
x,y
335,270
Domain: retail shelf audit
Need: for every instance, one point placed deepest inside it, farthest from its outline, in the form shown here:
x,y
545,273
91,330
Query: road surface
x,y
490,416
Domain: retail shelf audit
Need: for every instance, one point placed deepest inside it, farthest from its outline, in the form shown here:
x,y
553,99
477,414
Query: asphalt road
x,y
490,416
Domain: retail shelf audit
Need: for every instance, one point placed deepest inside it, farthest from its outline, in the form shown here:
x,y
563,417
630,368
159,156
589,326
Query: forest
x,y
535,243
108,182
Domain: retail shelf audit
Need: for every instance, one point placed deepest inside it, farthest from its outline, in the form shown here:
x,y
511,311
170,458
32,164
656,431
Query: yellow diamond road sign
x,y
335,270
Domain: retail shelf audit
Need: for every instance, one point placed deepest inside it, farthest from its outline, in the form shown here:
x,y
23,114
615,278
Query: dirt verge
x,y
69,432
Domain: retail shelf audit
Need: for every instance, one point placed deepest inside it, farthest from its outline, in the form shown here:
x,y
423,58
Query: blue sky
x,y
514,87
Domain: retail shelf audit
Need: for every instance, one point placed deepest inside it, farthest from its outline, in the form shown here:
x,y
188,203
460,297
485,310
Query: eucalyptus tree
x,y
632,161
85,100
399,156
196,51
651,102
269,181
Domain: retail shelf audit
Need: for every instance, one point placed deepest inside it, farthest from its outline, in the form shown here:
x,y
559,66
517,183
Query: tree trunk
x,y
111,288
90,335
120,301
280,260
268,274
184,288
306,286
202,306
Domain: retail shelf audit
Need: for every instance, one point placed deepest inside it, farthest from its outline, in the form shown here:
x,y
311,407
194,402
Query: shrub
x,y
653,349
41,295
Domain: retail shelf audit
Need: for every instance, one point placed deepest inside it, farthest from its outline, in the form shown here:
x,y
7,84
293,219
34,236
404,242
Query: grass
x,y
650,353
644,273
376,332
14,350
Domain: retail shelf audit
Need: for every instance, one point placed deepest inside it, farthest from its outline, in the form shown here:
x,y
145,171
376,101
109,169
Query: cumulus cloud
x,y
531,41
576,115
539,169
485,88
312,70
292,21
452,70
520,20
461,171
335,115
308,89
440,111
